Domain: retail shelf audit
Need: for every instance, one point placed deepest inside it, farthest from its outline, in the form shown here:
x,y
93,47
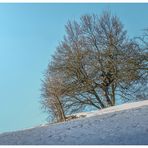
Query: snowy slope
x,y
123,124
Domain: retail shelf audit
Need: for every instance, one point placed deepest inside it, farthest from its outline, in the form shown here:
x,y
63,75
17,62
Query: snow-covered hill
x,y
123,124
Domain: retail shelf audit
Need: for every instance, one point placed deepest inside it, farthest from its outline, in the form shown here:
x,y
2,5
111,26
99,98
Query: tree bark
x,y
113,94
61,111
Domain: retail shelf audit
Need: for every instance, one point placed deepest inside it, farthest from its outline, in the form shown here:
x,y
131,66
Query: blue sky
x,y
29,34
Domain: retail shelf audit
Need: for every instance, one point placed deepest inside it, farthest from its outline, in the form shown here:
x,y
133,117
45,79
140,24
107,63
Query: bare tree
x,y
97,63
51,98
142,92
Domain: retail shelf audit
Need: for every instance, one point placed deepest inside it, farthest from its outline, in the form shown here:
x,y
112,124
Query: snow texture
x,y
123,124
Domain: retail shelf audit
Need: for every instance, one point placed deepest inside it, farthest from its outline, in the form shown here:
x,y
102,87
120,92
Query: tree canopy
x,y
95,65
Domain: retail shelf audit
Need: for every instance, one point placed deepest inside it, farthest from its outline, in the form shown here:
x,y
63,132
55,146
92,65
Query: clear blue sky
x,y
29,34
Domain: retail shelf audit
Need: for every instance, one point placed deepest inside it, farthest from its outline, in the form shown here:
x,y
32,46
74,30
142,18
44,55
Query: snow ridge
x,y
122,124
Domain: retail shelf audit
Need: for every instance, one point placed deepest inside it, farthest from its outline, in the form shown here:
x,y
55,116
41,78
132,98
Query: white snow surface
x,y
122,124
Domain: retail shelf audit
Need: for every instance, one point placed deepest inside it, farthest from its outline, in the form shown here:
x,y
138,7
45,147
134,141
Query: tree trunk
x,y
113,94
61,111
107,96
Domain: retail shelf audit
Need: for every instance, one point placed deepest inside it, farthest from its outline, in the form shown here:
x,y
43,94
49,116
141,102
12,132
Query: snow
x,y
123,124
